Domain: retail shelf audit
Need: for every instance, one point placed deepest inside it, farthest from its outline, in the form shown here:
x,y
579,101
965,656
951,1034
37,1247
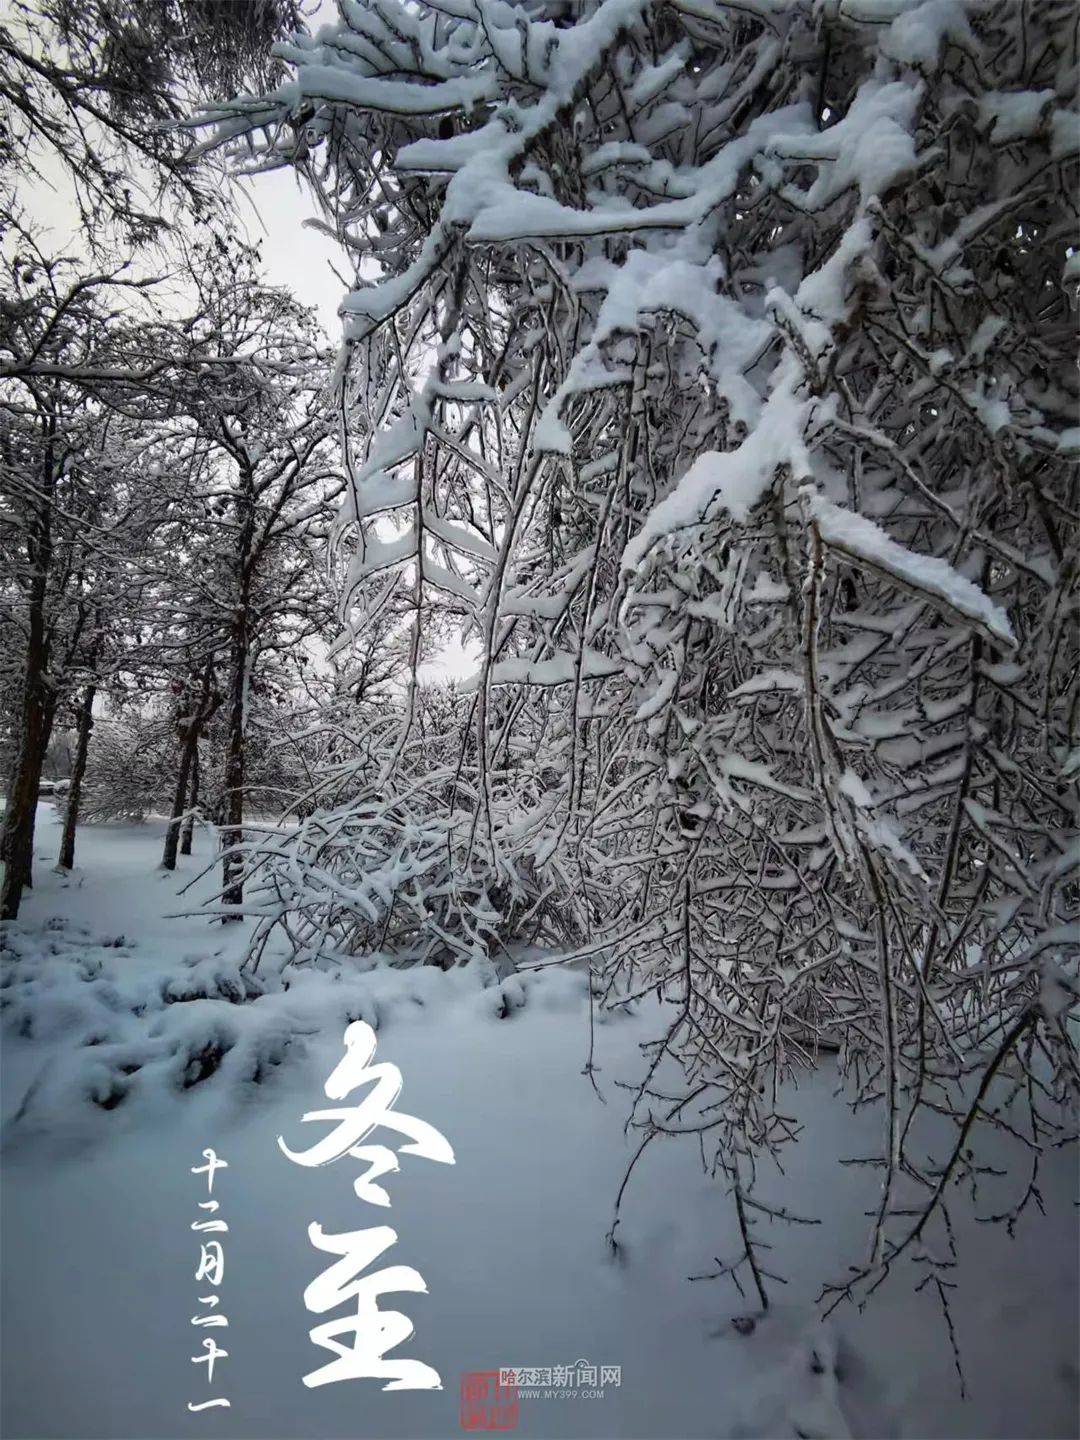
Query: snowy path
x,y
99,1256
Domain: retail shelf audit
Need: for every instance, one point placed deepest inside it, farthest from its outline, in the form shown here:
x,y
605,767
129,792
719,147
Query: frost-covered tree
x,y
71,469
711,365
92,91
128,769
164,463
250,433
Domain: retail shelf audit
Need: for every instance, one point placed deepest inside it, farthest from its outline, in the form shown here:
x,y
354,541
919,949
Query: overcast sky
x,y
295,255
271,208
274,212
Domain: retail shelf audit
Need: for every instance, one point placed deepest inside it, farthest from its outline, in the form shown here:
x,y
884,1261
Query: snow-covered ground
x,y
108,1000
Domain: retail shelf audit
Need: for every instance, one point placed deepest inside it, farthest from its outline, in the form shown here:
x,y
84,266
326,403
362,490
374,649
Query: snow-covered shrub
x,y
137,1032
130,767
387,870
717,377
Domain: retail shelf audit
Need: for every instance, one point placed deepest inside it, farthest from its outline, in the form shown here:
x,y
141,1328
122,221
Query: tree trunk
x,y
233,801
18,838
188,829
189,762
35,722
78,769
172,834
232,833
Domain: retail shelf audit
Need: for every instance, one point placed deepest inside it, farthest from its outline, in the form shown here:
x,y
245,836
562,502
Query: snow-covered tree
x,y
91,92
711,365
250,433
71,466
128,767
165,463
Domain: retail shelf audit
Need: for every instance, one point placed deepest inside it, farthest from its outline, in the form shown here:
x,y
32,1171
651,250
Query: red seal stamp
x,y
487,1403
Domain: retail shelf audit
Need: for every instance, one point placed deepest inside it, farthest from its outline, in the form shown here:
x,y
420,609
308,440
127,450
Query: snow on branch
x,y
864,543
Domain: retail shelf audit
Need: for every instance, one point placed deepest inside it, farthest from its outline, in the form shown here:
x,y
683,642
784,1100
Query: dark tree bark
x,y
187,830
232,833
18,840
84,727
172,834
36,715
207,704
233,800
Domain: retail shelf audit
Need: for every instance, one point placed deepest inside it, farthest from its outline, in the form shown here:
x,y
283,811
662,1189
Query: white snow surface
x,y
99,1256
